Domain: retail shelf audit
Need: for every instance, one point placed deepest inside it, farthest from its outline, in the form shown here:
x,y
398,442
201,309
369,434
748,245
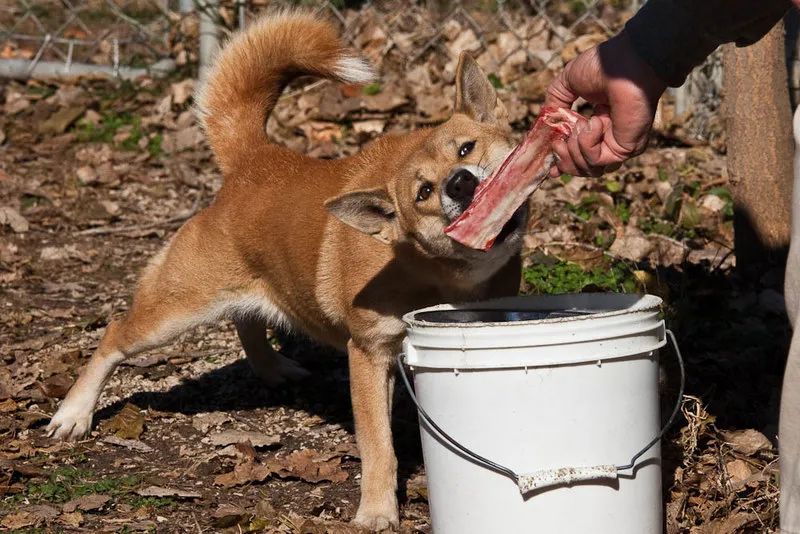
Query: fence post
x,y
208,37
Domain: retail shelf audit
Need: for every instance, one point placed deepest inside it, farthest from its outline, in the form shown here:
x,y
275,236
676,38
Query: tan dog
x,y
268,252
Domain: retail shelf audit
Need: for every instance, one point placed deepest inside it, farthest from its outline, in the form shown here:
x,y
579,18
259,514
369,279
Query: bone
x,y
520,174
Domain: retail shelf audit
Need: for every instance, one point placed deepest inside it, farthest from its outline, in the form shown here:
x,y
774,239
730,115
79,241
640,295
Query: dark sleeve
x,y
674,36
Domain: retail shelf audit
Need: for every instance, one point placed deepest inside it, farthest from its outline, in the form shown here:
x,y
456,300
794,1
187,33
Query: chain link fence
x,y
121,38
133,38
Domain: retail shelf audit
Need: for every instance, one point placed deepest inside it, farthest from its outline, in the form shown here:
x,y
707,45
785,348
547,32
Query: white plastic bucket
x,y
562,391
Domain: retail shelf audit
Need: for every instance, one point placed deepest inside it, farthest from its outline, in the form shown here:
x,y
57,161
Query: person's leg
x,y
789,431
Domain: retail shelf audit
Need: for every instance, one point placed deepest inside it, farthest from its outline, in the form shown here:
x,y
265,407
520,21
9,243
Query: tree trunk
x,y
760,148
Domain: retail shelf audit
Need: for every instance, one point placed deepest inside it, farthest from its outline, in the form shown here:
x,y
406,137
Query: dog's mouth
x,y
513,224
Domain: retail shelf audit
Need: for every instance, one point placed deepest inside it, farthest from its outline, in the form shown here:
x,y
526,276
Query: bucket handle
x,y
562,475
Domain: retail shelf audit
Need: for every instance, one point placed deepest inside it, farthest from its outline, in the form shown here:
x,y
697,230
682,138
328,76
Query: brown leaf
x,y
309,465
632,245
319,131
181,91
8,406
133,444
42,511
581,44
738,473
204,421
229,437
228,515
128,423
87,503
56,386
748,442
12,218
417,488
383,101
60,120
242,474
72,519
19,520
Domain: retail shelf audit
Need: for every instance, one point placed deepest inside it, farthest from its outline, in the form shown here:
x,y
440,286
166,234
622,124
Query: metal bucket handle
x,y
551,477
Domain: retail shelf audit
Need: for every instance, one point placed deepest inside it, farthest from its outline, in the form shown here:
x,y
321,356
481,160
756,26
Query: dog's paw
x,y
278,369
377,521
70,423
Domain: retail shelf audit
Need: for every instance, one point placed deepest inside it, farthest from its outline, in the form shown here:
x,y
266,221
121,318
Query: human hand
x,y
624,91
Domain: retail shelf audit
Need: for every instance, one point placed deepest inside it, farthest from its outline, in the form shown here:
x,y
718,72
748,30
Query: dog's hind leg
x,y
178,290
268,364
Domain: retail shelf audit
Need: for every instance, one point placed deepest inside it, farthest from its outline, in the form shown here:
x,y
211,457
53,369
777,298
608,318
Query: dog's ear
x,y
475,95
369,210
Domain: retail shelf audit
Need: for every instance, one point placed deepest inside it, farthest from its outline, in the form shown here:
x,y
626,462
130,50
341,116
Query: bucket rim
x,y
640,303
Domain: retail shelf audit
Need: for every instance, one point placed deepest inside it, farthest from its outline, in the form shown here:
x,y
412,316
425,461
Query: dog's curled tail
x,y
251,71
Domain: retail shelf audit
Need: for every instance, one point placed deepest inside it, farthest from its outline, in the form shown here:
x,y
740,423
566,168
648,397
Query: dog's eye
x,y
465,149
424,192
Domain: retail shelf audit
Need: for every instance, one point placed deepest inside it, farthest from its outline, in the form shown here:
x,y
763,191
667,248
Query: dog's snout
x,y
461,186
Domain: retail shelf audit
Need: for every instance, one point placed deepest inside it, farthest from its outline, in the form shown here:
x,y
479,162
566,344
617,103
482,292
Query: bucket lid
x,y
534,331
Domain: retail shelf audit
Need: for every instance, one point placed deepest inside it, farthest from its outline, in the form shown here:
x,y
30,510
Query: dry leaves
x,y
229,437
306,464
87,503
12,218
127,424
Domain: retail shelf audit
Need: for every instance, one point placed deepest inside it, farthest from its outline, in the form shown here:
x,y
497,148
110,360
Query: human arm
x,y
625,76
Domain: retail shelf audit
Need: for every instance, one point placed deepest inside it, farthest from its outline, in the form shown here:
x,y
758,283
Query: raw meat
x,y
520,174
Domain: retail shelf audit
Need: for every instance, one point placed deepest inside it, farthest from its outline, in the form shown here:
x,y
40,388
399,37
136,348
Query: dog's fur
x,y
338,250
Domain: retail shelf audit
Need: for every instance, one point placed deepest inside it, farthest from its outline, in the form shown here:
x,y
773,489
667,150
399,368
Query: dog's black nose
x,y
461,186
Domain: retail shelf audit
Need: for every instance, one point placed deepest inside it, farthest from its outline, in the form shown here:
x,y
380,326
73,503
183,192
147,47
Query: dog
x,y
338,250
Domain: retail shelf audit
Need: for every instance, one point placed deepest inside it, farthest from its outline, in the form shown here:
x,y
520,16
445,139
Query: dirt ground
x,y
96,175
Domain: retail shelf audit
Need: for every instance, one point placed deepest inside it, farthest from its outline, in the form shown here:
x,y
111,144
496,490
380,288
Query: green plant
x,y
623,211
138,501
67,483
585,208
495,81
372,89
724,194
568,277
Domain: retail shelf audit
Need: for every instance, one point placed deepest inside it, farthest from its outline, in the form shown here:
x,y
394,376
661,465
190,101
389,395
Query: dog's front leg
x,y
371,386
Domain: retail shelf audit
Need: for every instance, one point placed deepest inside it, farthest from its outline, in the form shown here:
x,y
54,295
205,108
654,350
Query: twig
x,y
103,230
305,89
199,529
